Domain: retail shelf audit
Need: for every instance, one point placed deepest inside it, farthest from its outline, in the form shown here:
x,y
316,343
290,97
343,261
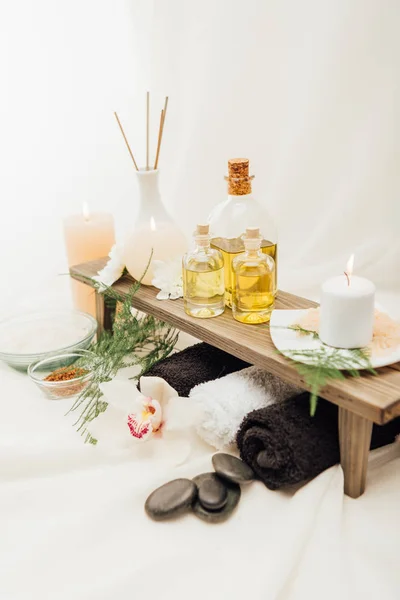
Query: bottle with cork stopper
x,y
255,287
203,277
229,220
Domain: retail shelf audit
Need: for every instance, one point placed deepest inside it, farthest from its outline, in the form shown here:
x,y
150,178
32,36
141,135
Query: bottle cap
x,y
202,235
253,233
238,167
239,180
202,229
252,238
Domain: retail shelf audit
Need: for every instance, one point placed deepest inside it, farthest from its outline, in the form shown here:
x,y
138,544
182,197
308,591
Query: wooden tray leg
x,y
355,440
103,315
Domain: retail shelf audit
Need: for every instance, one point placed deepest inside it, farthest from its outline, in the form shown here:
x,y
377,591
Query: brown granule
x,y
65,374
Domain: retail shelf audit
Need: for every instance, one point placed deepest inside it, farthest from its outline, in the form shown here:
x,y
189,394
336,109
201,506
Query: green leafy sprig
x,y
326,363
135,339
303,331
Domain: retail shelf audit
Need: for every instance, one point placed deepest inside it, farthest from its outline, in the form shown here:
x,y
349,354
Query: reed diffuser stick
x,y
147,129
161,130
126,141
159,139
165,107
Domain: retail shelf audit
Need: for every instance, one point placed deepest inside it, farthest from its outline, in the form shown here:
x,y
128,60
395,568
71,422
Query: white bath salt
x,y
310,321
42,335
386,333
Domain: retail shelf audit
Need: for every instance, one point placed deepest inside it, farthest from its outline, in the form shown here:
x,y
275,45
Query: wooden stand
x,y
362,401
355,440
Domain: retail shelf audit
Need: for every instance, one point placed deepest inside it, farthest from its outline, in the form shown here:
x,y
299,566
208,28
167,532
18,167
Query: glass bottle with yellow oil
x,y
203,278
255,287
229,220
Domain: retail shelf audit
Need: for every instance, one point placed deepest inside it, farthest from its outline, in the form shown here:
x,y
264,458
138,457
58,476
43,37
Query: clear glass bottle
x,y
255,287
229,220
203,278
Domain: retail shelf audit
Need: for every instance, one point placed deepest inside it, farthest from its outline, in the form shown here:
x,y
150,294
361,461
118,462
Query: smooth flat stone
x,y
232,468
171,499
217,516
213,493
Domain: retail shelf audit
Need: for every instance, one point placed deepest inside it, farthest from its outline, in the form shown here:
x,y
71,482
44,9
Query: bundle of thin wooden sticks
x,y
160,134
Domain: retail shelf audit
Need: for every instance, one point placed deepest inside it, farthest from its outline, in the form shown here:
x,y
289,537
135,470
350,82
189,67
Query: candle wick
x,y
348,278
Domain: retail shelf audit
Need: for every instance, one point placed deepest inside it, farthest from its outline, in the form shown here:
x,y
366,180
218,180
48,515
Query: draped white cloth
x,y
309,92
73,525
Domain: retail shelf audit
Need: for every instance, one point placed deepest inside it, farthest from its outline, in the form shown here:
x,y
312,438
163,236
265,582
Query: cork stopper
x,y
239,180
238,167
253,233
202,229
202,235
252,238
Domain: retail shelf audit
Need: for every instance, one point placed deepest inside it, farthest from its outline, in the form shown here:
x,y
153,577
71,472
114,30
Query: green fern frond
x,y
324,364
134,340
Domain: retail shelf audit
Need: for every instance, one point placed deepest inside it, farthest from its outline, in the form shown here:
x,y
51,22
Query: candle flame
x,y
85,211
350,266
152,224
349,269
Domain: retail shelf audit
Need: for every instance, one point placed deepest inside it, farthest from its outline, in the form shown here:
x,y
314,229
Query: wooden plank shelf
x,y
376,398
362,401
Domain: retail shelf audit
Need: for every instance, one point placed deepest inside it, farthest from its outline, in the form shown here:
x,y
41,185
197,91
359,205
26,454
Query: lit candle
x,y
155,234
347,310
88,236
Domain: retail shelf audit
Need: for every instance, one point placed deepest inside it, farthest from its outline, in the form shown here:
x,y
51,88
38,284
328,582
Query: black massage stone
x,y
217,516
171,499
233,469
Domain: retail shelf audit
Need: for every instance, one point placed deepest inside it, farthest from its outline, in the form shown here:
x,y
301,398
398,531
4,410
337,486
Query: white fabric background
x,y
309,91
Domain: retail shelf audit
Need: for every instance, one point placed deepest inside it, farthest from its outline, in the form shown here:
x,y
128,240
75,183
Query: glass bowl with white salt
x,y
31,337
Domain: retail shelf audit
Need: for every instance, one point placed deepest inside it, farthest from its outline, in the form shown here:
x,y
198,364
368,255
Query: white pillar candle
x,y
347,311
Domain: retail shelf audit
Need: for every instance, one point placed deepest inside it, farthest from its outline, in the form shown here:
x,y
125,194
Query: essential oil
x,y
255,282
203,278
230,218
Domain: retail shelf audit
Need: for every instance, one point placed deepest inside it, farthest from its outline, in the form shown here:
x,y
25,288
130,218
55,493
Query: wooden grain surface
x,y
355,441
373,397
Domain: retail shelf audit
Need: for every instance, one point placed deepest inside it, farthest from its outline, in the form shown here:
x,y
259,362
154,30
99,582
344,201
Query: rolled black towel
x,y
194,365
285,445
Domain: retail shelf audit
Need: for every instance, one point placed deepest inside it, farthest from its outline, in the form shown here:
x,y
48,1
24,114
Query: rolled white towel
x,y
226,401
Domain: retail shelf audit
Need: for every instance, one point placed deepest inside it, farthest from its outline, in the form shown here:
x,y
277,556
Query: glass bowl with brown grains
x,y
62,375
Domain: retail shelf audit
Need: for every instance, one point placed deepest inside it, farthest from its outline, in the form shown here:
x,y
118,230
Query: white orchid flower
x,y
168,278
113,269
154,422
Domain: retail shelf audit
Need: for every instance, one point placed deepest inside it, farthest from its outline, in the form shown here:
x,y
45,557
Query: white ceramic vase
x,y
154,231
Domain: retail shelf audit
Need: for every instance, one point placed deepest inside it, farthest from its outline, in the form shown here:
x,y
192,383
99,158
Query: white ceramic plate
x,y
286,339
